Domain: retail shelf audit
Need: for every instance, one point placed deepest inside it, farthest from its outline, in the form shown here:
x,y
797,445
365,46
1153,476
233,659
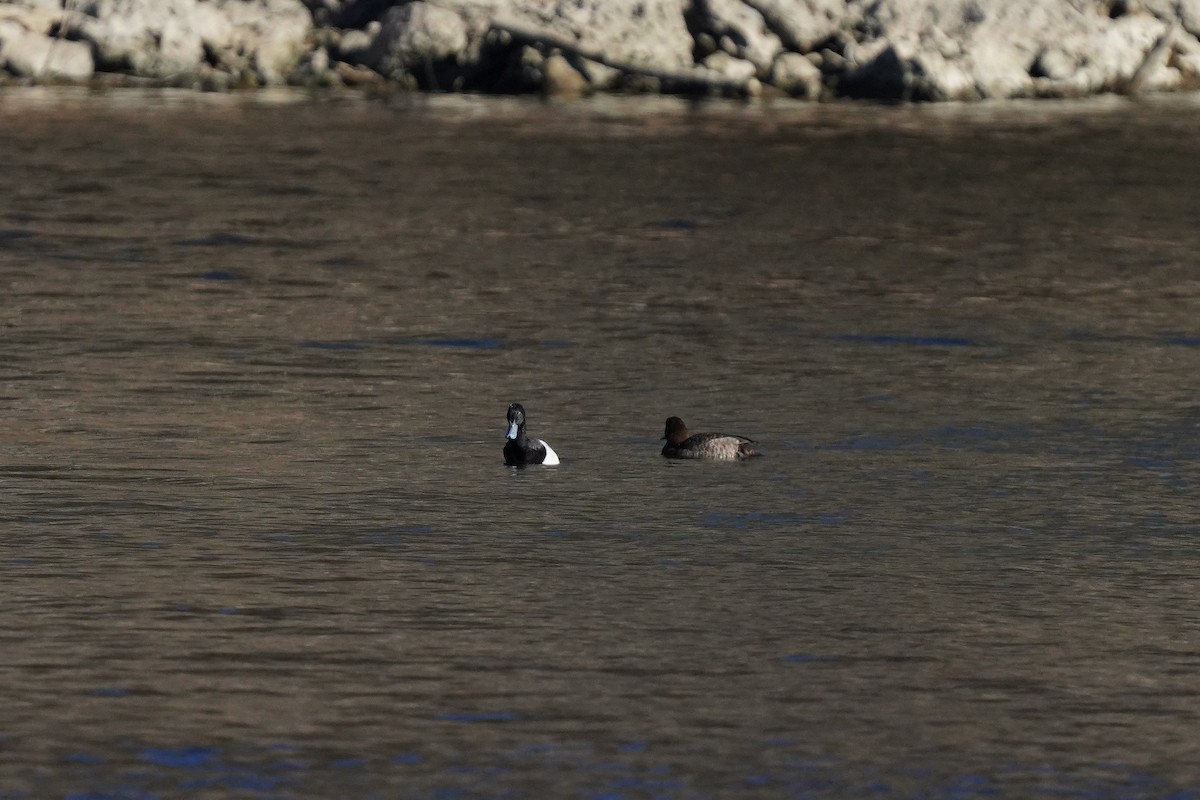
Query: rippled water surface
x,y
257,539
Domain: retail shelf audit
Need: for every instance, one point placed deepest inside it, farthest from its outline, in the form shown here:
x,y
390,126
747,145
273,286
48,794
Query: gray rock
x,y
804,24
317,61
315,71
354,44
35,55
796,75
561,79
648,43
741,31
351,75
208,79
323,11
525,71
599,76
442,40
649,33
50,6
415,36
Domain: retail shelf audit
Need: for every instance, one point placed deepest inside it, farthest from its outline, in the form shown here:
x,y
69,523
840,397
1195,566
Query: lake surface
x,y
257,538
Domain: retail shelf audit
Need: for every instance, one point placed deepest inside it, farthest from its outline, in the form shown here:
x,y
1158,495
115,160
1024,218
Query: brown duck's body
x,y
711,446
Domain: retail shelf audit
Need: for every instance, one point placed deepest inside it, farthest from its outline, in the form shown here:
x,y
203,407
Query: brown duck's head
x,y
676,432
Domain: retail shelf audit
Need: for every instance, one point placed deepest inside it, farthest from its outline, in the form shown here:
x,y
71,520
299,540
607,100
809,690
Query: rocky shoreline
x,y
921,50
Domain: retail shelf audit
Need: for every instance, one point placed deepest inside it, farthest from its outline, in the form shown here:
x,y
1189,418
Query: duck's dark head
x,y
675,431
516,420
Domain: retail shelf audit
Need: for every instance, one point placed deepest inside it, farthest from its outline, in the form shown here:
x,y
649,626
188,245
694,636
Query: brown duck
x,y
712,446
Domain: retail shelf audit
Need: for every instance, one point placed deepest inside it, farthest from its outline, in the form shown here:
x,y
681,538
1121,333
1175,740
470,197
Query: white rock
x,y
1056,64
1124,47
274,31
70,60
34,55
180,48
1108,58
997,67
1187,12
1187,58
725,64
318,61
162,38
126,34
51,6
36,18
957,49
214,27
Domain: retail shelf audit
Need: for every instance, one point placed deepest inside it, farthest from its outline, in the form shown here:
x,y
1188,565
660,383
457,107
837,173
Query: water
x,y
258,539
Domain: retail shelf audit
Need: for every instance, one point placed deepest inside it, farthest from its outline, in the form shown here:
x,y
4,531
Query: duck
x,y
521,449
711,446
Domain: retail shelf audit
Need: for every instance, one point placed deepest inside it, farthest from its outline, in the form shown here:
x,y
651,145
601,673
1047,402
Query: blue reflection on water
x,y
14,234
447,342
674,224
86,758
477,716
218,240
1182,341
908,341
806,658
583,770
724,519
473,344
867,442
408,758
242,781
180,757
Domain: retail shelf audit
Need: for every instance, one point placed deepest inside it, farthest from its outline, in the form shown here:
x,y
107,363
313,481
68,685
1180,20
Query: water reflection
x,y
779,768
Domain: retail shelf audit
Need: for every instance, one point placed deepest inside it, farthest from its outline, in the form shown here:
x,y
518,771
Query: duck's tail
x,y
746,450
